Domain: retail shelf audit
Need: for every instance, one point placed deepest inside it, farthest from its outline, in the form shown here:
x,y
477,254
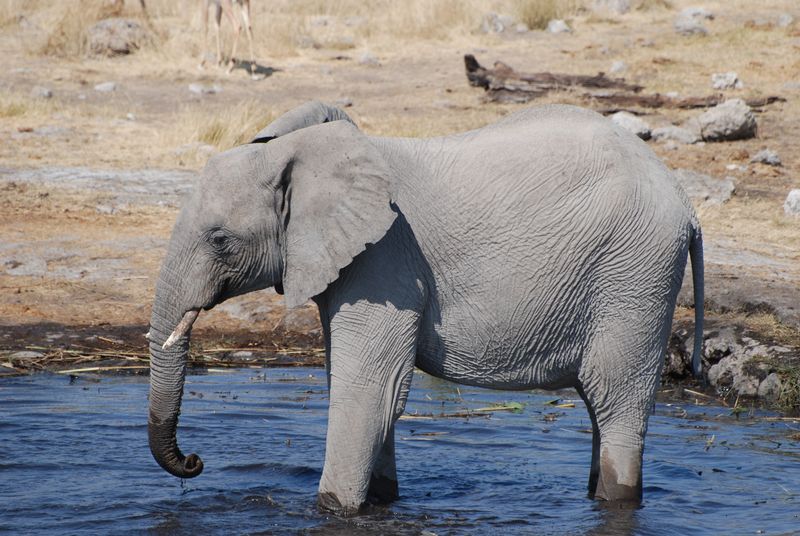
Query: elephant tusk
x,y
182,328
147,335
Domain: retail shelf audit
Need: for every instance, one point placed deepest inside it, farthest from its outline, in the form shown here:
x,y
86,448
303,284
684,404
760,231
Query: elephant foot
x,y
329,502
382,490
620,479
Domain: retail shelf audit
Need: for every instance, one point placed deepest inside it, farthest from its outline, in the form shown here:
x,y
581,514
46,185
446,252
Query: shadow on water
x,y
74,458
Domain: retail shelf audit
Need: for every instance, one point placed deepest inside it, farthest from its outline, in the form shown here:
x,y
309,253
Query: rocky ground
x,y
96,150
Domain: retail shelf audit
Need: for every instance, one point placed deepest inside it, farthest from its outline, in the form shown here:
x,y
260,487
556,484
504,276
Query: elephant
x,y
545,250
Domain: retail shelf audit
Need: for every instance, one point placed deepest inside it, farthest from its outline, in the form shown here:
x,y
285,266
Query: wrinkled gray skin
x,y
546,250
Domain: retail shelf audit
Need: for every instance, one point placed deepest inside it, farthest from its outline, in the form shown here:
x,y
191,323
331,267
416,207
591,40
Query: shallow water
x,y
74,459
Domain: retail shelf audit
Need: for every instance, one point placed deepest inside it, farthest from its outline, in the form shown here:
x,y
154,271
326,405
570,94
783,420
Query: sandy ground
x,y
90,182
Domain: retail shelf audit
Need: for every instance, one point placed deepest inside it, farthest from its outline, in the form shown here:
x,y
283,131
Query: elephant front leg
x,y
383,486
370,373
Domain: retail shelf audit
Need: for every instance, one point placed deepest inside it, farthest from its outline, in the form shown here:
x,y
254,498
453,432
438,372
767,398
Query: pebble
x,y
26,354
368,58
41,92
785,20
675,134
765,156
791,207
729,80
200,89
556,26
106,87
618,67
632,124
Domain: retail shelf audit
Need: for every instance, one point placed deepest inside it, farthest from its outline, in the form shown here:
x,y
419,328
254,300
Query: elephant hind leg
x,y
618,381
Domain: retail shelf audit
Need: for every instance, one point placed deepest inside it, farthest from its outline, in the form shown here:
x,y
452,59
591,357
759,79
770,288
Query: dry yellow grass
x,y
537,13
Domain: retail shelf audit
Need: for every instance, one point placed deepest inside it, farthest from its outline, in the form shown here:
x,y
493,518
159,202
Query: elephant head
x,y
290,213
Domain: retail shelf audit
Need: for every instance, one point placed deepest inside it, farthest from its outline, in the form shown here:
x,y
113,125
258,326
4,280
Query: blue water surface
x,y
74,460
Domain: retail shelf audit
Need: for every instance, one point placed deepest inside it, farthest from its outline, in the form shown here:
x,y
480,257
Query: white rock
x,y
495,23
368,58
675,134
615,7
618,67
770,387
699,13
765,156
41,92
729,80
731,120
700,187
689,27
792,204
558,26
689,21
106,87
200,89
785,20
633,124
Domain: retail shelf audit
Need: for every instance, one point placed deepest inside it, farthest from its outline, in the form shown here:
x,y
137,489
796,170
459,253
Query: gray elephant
x,y
543,251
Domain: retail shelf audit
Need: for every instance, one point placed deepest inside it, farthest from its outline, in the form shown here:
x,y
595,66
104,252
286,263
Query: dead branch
x,y
504,84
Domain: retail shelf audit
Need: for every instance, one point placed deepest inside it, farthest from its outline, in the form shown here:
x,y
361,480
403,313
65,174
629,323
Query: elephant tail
x,y
696,253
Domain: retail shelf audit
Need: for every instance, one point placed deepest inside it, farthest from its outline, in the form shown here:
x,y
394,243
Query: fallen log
x,y
506,84
503,84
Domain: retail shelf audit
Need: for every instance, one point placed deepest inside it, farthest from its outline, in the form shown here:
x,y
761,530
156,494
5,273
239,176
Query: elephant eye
x,y
219,239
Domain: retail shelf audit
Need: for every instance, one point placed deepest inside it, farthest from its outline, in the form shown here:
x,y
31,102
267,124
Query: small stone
x,y
729,80
765,156
770,387
699,13
41,92
731,120
105,209
306,41
745,384
675,134
113,37
632,124
200,89
26,354
703,188
791,207
618,67
494,23
368,58
106,87
614,7
672,94
344,102
242,354
785,20
130,116
556,26
689,21
689,27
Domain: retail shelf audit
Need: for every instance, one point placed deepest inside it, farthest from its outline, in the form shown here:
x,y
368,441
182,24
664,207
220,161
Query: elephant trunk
x,y
167,374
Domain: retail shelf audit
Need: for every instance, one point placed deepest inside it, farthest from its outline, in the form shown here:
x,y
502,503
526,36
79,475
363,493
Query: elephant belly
x,y
512,357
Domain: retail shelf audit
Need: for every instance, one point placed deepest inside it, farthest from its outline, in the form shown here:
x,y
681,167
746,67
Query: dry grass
x,y
537,13
14,106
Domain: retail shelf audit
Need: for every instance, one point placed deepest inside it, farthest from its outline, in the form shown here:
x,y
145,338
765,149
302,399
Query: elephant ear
x,y
338,191
307,115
